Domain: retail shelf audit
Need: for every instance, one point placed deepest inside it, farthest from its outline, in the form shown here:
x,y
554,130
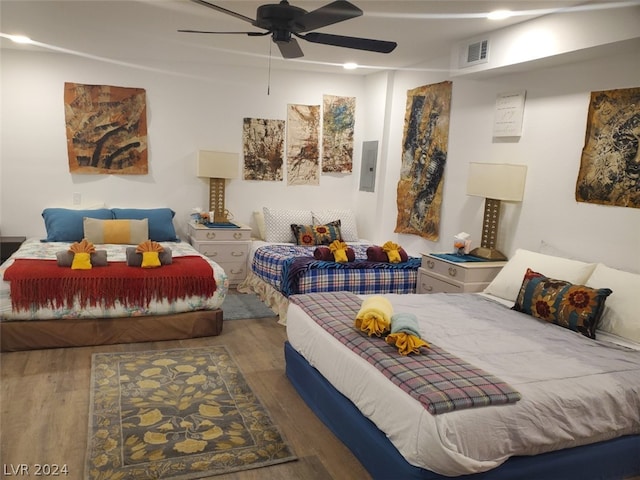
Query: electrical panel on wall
x,y
368,166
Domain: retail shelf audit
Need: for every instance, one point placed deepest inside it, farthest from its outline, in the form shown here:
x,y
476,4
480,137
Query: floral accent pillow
x,y
576,307
317,234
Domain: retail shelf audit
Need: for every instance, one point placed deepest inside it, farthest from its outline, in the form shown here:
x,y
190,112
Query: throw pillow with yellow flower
x,y
576,307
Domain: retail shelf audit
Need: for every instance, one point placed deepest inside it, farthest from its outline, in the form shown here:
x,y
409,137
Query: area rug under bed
x,y
176,414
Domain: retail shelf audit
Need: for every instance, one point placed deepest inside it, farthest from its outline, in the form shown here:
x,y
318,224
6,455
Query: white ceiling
x,y
144,32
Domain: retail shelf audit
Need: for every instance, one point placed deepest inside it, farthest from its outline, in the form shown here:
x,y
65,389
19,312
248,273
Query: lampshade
x,y
217,164
499,181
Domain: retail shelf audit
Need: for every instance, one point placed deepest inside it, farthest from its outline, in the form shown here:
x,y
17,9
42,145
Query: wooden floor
x,y
45,405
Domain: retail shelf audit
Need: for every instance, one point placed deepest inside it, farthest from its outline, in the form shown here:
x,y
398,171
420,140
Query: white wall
x,y
186,114
550,39
557,102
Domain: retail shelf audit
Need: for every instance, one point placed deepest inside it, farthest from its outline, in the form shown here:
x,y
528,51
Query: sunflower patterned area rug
x,y
176,414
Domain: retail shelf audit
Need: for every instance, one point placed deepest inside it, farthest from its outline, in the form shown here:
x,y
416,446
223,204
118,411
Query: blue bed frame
x,y
614,459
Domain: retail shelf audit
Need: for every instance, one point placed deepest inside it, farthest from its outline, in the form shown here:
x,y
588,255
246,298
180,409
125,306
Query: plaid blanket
x,y
291,269
441,382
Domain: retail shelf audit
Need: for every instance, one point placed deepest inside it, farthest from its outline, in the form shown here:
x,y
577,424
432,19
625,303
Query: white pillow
x,y
277,223
348,227
258,216
621,314
508,282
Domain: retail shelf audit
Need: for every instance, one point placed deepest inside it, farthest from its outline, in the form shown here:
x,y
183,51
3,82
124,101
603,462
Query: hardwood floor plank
x,y
44,404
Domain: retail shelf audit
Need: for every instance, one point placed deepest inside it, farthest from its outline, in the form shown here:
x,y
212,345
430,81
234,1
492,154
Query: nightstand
x,y
8,245
227,246
439,275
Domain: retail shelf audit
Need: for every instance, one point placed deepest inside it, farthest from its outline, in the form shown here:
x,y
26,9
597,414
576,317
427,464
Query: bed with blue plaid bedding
x,y
292,269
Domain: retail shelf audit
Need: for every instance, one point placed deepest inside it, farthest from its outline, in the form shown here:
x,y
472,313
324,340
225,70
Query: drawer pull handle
x,y
430,263
212,254
236,272
211,235
237,254
453,271
427,288
237,236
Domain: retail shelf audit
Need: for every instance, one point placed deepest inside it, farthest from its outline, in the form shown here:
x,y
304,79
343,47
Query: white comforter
x,y
574,390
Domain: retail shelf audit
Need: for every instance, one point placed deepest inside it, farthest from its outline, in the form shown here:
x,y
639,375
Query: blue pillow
x,y
65,225
161,227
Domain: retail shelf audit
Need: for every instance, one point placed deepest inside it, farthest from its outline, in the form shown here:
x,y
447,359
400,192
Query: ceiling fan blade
x,y
331,13
251,34
290,48
380,46
225,10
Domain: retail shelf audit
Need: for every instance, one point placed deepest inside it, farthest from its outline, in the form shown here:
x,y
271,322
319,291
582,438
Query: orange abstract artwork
x,y
106,129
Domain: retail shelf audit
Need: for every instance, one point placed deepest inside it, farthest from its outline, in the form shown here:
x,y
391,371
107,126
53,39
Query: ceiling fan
x,y
284,22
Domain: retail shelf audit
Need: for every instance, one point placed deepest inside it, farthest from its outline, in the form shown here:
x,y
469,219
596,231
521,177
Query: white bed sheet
x,y
560,374
33,248
601,335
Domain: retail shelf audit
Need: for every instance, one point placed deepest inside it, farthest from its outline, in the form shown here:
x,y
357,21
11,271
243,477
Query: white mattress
x,y
575,390
35,249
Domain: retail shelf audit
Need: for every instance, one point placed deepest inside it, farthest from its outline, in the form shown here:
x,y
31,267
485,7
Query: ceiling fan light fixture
x,y
499,14
20,39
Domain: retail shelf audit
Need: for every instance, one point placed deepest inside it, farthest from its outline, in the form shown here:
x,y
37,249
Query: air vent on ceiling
x,y
475,53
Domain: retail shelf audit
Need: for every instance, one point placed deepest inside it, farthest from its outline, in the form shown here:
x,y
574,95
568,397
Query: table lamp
x,y
217,167
495,182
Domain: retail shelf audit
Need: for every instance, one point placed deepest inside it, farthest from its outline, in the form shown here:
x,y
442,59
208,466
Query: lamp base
x,y
488,254
221,218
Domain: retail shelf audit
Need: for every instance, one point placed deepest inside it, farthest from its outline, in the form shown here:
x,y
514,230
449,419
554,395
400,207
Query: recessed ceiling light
x,y
20,39
499,15
350,66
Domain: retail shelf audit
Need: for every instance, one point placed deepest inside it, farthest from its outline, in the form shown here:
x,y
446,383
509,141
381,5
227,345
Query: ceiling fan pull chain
x,y
269,75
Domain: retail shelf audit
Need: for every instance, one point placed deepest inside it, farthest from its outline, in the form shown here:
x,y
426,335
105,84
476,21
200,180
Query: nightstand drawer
x,y
223,251
440,275
205,234
236,271
430,284
464,272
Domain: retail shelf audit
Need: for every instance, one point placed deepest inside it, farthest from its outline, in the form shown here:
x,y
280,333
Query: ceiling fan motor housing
x,y
279,17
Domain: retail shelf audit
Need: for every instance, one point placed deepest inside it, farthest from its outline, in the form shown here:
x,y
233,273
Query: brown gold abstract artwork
x,y
106,129
263,146
424,154
338,120
303,148
610,164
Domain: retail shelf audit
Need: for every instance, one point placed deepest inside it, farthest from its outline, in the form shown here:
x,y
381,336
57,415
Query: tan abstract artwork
x,y
610,164
338,120
424,154
303,148
106,129
263,147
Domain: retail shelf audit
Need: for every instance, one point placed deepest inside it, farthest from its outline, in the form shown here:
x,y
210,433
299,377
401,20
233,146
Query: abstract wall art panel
x,y
424,154
610,164
338,120
263,146
106,129
303,148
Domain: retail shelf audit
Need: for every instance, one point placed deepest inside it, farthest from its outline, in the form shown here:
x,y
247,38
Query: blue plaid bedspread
x,y
291,269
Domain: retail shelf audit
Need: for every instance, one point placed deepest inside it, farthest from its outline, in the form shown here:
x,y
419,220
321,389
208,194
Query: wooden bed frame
x,y
74,332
